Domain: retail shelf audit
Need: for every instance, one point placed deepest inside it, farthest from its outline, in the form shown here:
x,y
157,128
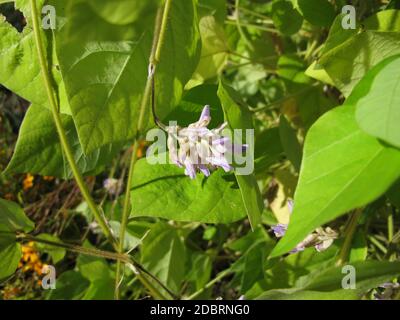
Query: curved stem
x,y
60,130
159,35
239,26
77,175
350,230
141,273
218,278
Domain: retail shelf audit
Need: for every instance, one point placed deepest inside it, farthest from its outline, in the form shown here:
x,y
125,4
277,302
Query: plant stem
x,y
239,26
219,277
141,273
350,230
60,130
250,25
77,249
159,35
77,175
390,226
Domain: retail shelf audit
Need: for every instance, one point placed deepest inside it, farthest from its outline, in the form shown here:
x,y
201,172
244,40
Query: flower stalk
x,y
60,130
159,35
141,273
349,235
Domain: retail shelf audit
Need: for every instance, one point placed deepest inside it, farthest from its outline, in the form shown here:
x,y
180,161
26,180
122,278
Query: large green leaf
x,y
10,254
163,254
39,151
349,54
349,62
317,12
326,284
286,19
104,67
71,285
123,12
369,274
164,191
19,64
13,218
290,142
338,165
238,116
214,52
378,101
296,294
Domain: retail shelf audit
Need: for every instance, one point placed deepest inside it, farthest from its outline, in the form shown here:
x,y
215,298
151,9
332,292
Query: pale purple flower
x,y
279,230
199,149
321,239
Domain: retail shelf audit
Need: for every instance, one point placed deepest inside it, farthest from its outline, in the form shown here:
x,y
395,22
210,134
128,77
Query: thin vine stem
x,y
93,252
218,278
77,175
159,35
61,132
349,235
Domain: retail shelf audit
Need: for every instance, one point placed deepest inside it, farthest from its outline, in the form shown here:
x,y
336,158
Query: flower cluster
x,y
30,260
199,149
28,182
321,239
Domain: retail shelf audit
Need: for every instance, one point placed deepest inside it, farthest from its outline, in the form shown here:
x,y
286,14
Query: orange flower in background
x,y
30,260
10,292
141,149
28,182
48,178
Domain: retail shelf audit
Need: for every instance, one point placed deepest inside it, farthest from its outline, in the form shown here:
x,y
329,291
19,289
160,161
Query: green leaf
x,y
164,191
290,143
56,253
19,64
317,12
216,8
100,289
284,272
296,294
10,254
378,101
369,274
192,104
339,162
349,62
200,269
317,72
384,21
268,149
337,35
163,254
244,243
286,19
214,52
253,266
238,116
124,12
359,248
326,284
13,218
93,268
39,151
71,285
104,67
